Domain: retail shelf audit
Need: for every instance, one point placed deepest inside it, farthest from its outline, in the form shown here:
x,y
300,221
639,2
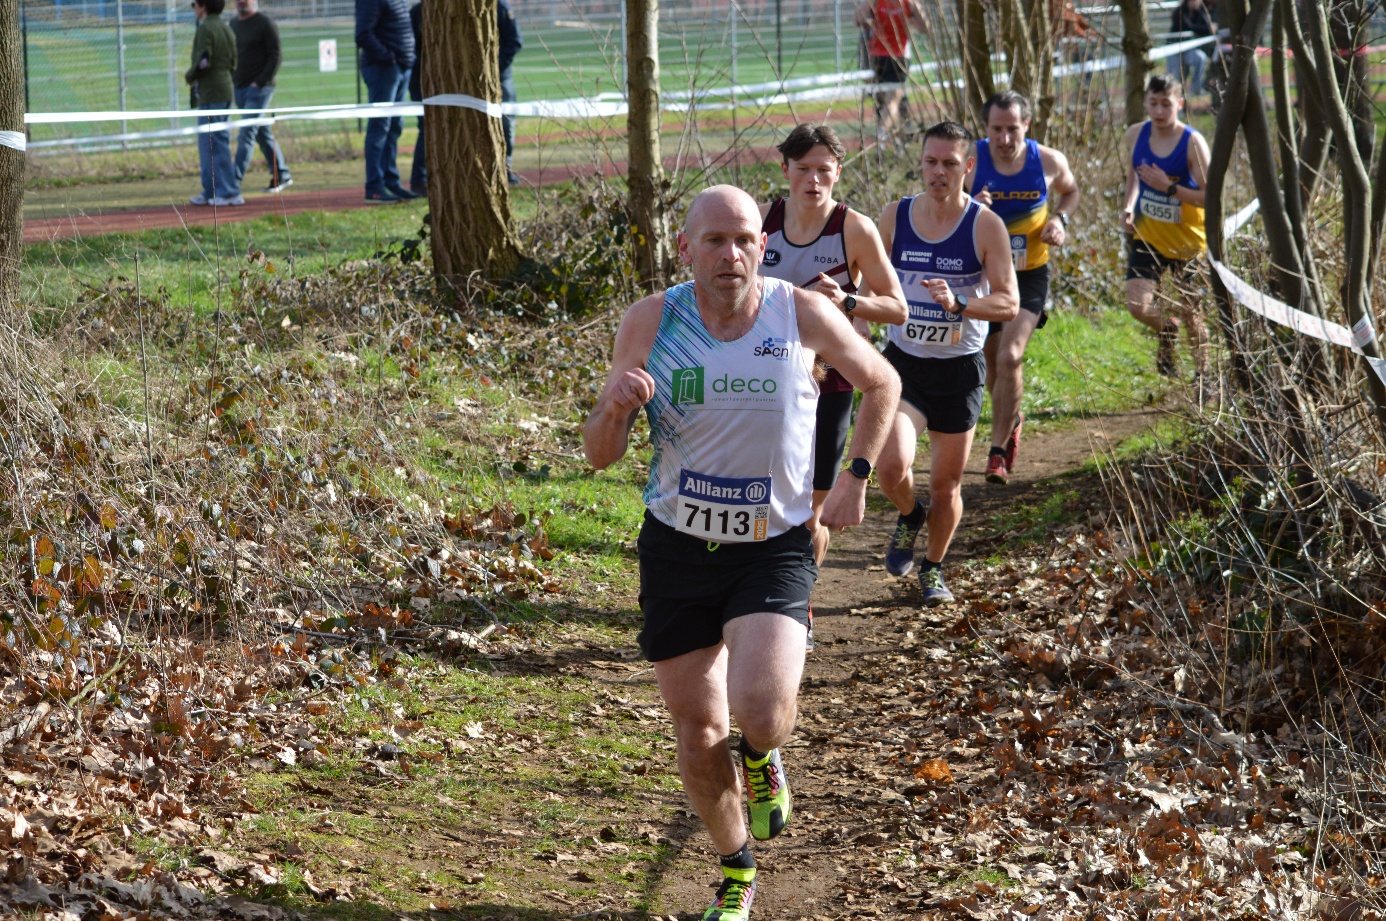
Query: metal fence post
x,y
172,65
120,62
625,76
24,33
732,7
837,36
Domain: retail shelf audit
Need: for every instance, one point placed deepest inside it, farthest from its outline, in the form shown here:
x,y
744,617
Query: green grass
x,y
73,67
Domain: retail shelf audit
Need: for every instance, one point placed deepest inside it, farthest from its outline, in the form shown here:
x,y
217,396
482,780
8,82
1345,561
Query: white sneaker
x,y
227,202
199,199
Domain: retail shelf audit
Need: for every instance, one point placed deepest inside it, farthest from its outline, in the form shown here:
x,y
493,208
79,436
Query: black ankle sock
x,y
926,564
749,753
916,517
741,860
997,452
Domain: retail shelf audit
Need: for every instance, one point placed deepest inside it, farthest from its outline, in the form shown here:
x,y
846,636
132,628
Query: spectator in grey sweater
x,y
258,56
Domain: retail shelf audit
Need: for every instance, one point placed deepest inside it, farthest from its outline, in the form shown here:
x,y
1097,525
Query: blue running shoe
x,y
932,586
899,557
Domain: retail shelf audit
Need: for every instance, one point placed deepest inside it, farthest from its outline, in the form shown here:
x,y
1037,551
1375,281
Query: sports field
x,y
74,68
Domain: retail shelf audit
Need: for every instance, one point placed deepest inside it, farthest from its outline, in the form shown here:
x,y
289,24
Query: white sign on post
x,y
327,55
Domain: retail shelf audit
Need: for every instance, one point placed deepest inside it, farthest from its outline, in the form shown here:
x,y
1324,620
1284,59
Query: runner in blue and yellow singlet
x,y
1167,169
723,368
1032,189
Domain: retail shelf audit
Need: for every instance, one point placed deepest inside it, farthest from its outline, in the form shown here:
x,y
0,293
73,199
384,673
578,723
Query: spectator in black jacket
x,y
418,176
258,55
386,43
510,44
1192,16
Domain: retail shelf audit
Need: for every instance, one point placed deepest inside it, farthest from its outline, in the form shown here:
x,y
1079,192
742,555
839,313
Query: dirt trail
x,y
873,647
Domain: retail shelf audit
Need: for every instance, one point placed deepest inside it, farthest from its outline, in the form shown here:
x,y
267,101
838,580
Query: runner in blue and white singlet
x,y
931,331
953,259
707,479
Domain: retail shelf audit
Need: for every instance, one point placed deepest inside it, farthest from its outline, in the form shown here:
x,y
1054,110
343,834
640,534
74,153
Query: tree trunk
x,y
645,202
1135,44
1025,29
468,188
976,57
11,163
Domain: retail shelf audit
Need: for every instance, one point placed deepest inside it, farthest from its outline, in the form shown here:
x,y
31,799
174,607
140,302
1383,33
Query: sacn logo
x,y
687,386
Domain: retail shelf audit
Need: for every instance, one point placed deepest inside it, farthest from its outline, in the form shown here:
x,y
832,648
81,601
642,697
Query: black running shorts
x,y
890,69
948,391
830,437
1034,296
1145,261
689,590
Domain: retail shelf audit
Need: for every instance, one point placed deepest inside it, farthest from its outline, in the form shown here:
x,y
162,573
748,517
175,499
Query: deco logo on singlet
x,y
772,258
687,386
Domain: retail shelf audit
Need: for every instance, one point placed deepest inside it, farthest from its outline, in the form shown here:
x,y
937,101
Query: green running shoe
x,y
734,896
767,794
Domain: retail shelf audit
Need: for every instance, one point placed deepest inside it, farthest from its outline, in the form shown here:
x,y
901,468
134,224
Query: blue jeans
x,y
214,156
384,83
1189,67
508,121
418,176
253,97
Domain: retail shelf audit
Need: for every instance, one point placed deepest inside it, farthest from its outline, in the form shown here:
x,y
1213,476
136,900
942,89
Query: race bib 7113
x,y
723,509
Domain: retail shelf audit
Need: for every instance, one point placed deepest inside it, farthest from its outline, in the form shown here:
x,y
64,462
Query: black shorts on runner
x,y
890,69
1145,261
948,391
830,437
689,590
1034,296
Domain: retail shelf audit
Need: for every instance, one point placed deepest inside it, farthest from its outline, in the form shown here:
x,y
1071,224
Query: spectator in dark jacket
x,y
418,176
213,61
258,55
511,41
1192,16
386,42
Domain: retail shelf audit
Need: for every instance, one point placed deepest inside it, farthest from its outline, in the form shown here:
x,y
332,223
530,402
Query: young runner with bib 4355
x,y
953,258
1167,169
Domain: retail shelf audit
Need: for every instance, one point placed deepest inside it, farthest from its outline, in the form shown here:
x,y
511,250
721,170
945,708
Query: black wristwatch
x,y
860,468
962,303
1063,218
1173,187
849,303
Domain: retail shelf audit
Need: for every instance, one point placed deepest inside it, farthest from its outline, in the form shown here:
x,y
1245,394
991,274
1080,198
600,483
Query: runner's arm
x,y
880,299
826,331
1133,182
1199,156
915,16
1003,301
628,386
1064,188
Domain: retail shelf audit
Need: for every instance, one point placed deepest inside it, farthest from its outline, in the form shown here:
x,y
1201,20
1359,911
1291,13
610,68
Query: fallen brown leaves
x,y
1032,758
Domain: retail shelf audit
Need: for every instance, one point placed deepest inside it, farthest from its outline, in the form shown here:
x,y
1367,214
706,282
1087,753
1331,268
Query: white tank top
x,y
732,423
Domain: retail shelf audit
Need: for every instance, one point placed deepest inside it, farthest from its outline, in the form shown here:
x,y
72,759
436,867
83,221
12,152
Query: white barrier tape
x,y
1363,332
1237,221
1297,320
12,139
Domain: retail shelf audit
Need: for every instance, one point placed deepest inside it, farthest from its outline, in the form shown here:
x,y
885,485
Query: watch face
x,y
861,467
